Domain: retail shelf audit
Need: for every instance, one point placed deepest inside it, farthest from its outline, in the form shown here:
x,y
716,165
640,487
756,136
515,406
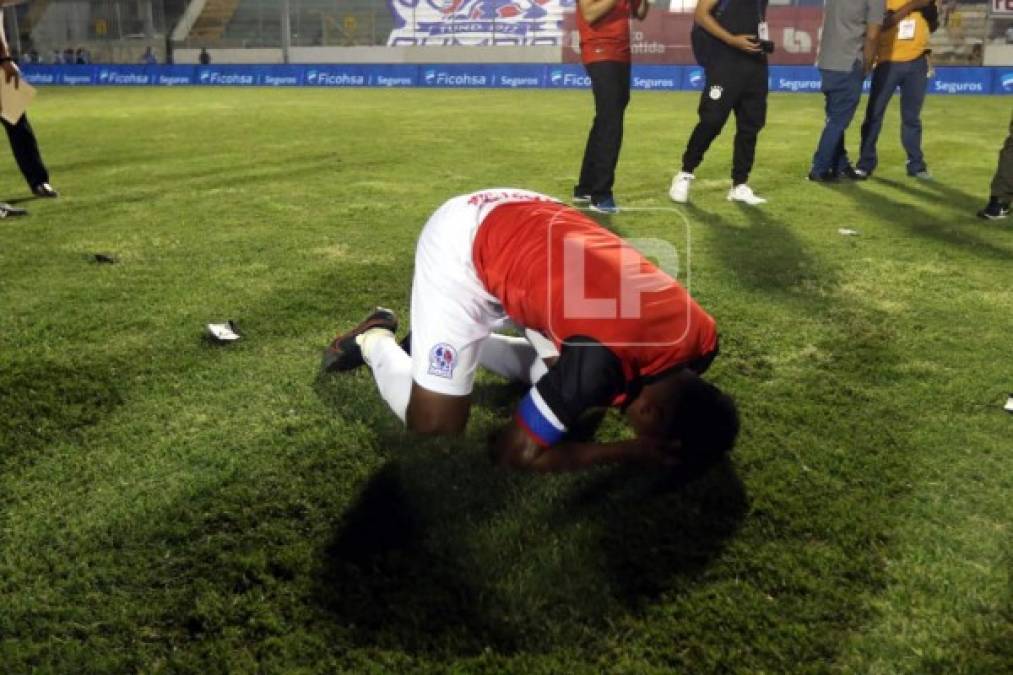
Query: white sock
x,y
392,368
511,357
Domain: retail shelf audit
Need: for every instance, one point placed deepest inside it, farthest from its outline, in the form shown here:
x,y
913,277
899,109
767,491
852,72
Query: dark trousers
x,y
842,91
1002,183
610,84
26,151
913,79
738,85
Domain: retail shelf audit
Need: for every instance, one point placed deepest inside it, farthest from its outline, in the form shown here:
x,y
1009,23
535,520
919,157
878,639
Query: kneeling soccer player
x,y
604,327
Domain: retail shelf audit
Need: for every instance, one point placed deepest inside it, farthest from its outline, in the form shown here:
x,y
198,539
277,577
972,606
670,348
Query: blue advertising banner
x,y
657,78
950,81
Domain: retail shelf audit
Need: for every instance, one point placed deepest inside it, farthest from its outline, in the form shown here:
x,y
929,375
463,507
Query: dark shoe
x,y
8,211
44,190
851,173
995,210
344,353
828,176
580,198
607,206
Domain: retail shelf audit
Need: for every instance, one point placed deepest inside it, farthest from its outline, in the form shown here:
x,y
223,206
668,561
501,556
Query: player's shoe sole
x,y
344,353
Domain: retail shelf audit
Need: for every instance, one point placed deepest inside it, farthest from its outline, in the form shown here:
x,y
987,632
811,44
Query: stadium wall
x,y
950,81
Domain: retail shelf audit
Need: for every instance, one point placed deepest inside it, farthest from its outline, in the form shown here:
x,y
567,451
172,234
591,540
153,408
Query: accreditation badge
x,y
906,29
763,31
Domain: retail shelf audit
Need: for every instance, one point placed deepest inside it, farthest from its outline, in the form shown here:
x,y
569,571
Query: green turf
x,y
166,505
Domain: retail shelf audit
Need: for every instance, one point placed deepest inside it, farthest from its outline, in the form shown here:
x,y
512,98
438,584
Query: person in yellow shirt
x,y
901,61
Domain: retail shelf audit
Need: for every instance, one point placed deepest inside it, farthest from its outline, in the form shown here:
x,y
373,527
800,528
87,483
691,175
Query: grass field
x,y
169,506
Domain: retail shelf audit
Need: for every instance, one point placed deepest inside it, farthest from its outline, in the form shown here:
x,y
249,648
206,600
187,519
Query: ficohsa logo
x,y
696,77
103,76
311,77
203,76
430,76
556,77
1007,82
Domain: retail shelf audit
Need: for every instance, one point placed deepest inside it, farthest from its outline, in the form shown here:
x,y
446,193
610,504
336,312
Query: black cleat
x,y
344,353
44,190
851,173
828,176
996,209
8,211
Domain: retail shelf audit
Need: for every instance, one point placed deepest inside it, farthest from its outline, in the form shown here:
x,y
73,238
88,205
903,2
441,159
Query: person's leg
x,y
842,92
912,97
587,165
26,151
610,84
1002,182
884,82
716,104
750,118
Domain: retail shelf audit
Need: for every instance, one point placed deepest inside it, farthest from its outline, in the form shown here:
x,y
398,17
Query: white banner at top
x,y
477,22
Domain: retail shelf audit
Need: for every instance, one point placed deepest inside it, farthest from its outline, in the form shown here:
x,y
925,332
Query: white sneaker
x,y
743,193
679,192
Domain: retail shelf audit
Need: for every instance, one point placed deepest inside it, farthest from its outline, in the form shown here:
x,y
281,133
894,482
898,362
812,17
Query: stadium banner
x,y
1002,82
645,77
478,22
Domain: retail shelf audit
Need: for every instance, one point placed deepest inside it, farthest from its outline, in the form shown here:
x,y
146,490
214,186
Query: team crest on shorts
x,y
442,359
715,92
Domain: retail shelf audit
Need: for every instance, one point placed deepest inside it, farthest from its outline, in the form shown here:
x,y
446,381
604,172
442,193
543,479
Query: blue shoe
x,y
607,205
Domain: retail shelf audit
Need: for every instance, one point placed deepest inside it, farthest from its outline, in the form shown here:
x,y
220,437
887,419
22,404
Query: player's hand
x,y
512,447
746,43
11,72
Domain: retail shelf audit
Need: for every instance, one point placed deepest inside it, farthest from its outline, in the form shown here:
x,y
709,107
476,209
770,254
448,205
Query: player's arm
x,y
876,14
704,17
8,66
592,10
514,448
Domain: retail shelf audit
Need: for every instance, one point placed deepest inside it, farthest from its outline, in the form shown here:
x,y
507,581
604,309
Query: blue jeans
x,y
913,78
842,91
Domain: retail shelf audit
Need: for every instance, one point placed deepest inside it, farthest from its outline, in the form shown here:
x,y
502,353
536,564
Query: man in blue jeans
x,y
901,62
847,53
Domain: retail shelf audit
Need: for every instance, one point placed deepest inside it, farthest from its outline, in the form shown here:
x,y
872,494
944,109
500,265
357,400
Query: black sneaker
x,y
828,176
8,211
851,173
580,198
995,210
44,190
344,353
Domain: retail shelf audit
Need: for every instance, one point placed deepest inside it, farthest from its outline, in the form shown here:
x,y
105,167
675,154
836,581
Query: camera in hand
x,y
766,46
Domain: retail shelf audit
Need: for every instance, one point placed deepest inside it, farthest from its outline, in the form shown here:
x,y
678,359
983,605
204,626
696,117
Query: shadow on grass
x,y
403,569
938,192
924,223
45,402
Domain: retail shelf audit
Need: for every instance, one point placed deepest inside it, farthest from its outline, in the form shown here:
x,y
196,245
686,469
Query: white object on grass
x,y
223,332
847,232
1009,404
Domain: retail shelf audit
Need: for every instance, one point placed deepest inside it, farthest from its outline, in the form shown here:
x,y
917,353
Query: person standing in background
x,y
850,39
998,206
21,136
729,39
902,61
604,27
205,57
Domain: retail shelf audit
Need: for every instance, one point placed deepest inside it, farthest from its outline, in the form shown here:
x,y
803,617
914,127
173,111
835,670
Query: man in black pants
x,y
604,27
730,40
21,136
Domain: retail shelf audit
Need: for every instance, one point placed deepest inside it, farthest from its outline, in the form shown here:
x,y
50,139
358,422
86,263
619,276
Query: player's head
x,y
688,414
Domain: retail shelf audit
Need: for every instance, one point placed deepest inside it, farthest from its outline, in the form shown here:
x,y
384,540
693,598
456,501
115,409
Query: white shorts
x,y
452,312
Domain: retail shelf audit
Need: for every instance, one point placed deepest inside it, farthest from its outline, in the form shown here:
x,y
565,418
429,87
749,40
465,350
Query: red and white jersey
x,y
555,270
